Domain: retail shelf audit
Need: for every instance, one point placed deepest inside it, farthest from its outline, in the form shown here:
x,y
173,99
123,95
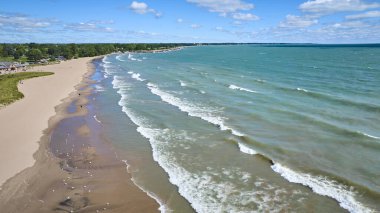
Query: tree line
x,y
34,52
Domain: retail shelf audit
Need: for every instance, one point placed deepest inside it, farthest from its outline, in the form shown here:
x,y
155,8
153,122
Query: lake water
x,y
244,128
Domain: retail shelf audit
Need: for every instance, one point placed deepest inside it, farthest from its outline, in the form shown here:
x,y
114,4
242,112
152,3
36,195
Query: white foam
x,y
245,149
136,76
122,88
99,88
323,186
106,66
205,192
303,90
209,114
260,80
118,57
163,207
104,60
183,84
234,87
368,135
209,189
130,57
97,120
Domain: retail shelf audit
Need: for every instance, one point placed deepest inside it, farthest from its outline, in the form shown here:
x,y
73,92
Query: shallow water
x,y
249,127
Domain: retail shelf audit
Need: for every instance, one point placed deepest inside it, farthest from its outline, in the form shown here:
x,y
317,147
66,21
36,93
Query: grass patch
x,y
8,85
9,59
22,59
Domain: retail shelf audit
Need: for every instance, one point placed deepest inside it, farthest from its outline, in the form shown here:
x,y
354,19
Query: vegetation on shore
x,y
34,52
8,85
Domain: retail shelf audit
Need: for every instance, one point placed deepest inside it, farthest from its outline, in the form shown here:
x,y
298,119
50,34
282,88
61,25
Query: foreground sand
x,y
22,123
73,168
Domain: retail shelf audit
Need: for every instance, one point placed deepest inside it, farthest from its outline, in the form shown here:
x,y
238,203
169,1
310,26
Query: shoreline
x,y
88,178
31,114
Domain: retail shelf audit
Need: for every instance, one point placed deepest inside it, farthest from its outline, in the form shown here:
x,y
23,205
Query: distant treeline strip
x,y
34,52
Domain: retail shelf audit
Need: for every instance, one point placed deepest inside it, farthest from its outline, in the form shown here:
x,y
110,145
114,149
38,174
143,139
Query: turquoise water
x,y
248,127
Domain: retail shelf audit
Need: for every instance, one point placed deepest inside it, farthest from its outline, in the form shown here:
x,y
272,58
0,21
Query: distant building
x,y
60,58
5,66
44,61
9,66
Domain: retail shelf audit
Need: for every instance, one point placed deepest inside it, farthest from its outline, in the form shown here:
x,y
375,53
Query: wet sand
x,y
22,123
76,169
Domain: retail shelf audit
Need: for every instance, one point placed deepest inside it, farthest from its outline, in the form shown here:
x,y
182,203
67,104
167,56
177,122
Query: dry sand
x,y
79,172
22,123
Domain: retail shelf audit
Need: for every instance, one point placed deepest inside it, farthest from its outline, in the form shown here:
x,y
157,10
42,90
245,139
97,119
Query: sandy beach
x,y
51,135
22,123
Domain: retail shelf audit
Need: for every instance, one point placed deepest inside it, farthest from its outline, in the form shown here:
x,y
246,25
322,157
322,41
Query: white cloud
x,y
334,6
179,20
92,26
143,8
223,6
350,25
237,23
139,7
22,21
195,26
293,21
245,16
228,8
369,14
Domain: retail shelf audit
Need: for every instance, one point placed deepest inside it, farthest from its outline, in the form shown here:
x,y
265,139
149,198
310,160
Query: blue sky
x,y
88,21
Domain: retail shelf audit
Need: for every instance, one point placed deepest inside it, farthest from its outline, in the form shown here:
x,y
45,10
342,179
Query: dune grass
x,y
8,85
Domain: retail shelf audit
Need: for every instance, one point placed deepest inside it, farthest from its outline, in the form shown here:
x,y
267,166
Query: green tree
x,y
8,50
20,51
66,51
53,51
34,55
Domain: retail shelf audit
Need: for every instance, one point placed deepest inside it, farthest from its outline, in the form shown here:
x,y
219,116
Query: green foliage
x,y
35,52
8,85
34,55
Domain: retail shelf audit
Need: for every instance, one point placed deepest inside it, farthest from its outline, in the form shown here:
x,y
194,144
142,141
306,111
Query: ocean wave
x,y
368,135
209,114
260,80
196,187
324,186
245,149
136,76
328,126
120,86
97,120
104,60
130,57
337,100
163,207
300,89
182,83
227,192
345,195
234,87
118,57
99,88
106,67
